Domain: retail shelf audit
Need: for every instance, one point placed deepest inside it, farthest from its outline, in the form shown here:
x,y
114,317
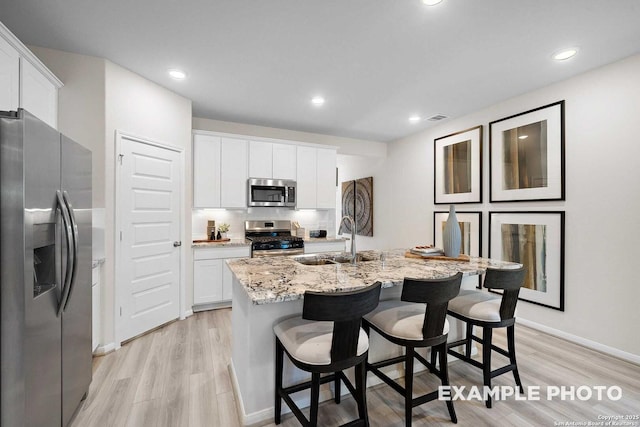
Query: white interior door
x,y
149,197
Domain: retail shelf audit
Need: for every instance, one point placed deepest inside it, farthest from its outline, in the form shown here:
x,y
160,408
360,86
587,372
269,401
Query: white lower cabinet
x,y
324,246
211,278
207,281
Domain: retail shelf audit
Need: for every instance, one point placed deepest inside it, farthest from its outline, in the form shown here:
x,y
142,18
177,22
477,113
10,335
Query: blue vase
x,y
451,235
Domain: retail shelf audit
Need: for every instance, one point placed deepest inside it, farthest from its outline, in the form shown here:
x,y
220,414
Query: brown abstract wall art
x,y
357,201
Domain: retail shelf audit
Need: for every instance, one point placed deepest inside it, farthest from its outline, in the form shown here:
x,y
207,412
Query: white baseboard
x,y
612,351
211,306
104,349
186,314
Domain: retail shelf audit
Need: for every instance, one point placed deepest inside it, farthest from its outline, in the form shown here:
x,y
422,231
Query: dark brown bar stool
x,y
489,311
326,339
412,324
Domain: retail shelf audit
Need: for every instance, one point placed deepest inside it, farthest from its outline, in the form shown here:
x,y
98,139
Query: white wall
x,y
136,106
81,105
602,199
81,117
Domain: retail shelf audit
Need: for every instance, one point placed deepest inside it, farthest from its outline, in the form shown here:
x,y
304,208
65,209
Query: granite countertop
x,y
278,279
232,242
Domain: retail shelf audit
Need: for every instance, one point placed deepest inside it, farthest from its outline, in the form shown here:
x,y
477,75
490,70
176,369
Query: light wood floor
x,y
178,376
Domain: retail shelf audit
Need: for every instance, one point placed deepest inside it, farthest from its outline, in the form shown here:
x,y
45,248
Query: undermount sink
x,y
314,261
336,258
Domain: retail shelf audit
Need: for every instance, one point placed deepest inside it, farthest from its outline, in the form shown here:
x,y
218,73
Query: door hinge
x,y
121,236
120,311
120,157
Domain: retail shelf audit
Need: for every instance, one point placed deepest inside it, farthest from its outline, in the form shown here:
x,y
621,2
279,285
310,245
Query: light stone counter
x,y
232,242
267,290
278,279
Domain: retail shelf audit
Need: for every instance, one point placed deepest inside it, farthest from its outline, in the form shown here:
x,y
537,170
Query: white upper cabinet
x,y
222,164
206,171
316,178
260,159
220,172
326,178
284,161
306,178
234,172
9,76
272,160
25,82
37,94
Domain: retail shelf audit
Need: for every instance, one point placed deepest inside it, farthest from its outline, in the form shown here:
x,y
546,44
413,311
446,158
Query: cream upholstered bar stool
x,y
328,338
417,320
489,311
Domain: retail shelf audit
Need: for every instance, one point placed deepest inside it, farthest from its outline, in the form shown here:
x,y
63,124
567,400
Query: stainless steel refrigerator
x,y
45,252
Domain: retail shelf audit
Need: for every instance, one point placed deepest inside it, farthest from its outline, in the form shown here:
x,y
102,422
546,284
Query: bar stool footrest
x,y
465,358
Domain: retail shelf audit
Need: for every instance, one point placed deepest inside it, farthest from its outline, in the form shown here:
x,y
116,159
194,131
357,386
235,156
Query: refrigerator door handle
x,y
74,228
69,266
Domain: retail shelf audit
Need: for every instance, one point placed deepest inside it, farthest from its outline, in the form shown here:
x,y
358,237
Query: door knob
x,y
177,243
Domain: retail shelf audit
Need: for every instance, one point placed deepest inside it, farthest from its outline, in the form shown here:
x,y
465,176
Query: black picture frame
x,y
540,241
527,155
457,167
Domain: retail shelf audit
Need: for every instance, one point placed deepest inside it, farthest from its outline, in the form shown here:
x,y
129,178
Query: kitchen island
x,y
267,290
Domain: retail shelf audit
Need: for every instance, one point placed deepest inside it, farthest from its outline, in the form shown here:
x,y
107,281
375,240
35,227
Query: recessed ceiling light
x,y
523,137
431,2
565,54
414,119
317,101
177,74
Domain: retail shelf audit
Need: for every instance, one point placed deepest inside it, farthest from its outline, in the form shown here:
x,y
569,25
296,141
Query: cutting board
x,y
463,258
211,241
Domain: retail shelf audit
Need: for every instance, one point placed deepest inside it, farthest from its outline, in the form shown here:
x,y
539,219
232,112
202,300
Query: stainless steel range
x,y
272,238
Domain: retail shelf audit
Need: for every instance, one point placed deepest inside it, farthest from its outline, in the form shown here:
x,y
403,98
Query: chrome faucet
x,y
353,235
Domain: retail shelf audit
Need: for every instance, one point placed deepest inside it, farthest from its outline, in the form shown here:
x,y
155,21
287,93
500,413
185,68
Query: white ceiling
x,y
376,62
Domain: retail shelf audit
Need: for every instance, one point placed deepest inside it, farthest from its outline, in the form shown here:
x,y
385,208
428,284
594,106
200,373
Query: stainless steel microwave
x,y
271,192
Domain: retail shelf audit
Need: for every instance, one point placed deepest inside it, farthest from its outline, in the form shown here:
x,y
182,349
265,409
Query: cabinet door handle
x,y
177,243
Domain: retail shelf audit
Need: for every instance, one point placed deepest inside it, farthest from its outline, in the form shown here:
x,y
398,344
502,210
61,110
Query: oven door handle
x,y
283,252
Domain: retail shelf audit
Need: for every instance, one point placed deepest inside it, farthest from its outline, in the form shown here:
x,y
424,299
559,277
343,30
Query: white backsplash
x,y
308,219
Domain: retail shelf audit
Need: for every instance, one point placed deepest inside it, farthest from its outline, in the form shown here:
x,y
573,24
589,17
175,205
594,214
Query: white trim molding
x,y
593,345
28,55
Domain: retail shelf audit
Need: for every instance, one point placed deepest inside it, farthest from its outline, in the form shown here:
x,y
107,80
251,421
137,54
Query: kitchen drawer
x,y
222,252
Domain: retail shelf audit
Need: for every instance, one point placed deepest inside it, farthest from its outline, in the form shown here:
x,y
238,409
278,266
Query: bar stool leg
x,y
336,396
315,397
408,386
279,368
486,360
434,356
444,377
467,346
511,342
361,391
